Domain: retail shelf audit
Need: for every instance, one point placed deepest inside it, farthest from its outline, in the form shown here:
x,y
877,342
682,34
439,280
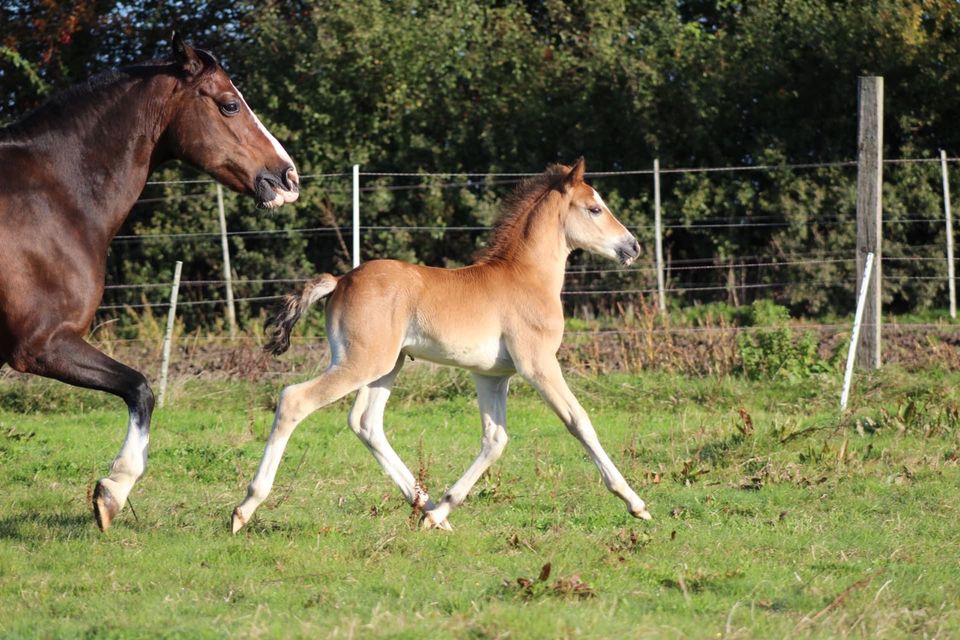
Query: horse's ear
x,y
575,175
185,56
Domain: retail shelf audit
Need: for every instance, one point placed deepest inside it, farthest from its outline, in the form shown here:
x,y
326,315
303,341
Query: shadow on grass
x,y
32,526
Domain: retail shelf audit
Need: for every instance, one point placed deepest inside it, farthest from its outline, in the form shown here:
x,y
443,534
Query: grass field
x,y
773,517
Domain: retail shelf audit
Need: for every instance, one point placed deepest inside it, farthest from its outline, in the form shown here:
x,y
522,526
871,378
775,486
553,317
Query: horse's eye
x,y
231,108
594,210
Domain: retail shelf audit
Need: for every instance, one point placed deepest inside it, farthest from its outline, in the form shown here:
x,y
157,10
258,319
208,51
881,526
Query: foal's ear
x,y
185,56
575,175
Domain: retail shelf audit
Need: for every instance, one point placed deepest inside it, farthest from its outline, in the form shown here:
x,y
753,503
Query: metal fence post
x,y
951,282
227,277
658,232
168,336
356,216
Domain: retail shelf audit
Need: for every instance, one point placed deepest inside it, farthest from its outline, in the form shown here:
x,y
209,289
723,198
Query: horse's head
x,y
214,129
588,222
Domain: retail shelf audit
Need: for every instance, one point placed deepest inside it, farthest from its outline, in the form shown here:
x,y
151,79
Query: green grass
x,y
792,524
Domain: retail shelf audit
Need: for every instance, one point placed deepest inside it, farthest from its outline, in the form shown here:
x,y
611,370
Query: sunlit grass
x,y
780,520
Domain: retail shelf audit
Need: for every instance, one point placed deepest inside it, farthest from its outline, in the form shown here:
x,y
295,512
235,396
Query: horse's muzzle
x,y
628,251
273,190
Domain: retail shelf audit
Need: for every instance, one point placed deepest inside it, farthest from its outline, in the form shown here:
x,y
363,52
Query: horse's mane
x,y
516,211
76,98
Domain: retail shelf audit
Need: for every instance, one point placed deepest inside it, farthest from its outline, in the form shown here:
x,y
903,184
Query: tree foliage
x,y
459,86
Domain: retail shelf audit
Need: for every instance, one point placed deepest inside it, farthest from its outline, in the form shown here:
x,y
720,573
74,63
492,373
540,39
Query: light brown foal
x,y
499,316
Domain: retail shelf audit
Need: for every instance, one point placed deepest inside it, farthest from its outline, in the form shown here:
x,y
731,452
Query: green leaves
x,y
462,86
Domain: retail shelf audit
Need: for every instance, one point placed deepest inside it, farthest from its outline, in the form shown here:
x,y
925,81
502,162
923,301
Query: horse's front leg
x,y
68,358
492,398
547,378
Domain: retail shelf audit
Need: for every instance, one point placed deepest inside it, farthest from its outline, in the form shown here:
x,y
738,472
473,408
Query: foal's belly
x,y
486,355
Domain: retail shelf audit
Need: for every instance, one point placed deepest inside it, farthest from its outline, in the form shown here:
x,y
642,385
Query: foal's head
x,y
213,128
588,223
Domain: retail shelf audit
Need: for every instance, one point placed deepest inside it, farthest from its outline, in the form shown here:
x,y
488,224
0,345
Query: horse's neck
x,y
544,251
113,147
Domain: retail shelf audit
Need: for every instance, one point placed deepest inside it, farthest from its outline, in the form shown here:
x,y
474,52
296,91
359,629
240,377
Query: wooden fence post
x,y
168,336
870,213
227,277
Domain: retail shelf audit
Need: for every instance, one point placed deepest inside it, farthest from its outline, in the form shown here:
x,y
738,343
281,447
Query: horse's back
x,y
441,315
392,287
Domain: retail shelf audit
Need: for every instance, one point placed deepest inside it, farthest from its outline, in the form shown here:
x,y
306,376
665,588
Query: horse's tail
x,y
292,308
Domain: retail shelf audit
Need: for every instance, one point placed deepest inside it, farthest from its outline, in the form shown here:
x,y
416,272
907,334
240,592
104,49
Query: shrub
x,y
772,351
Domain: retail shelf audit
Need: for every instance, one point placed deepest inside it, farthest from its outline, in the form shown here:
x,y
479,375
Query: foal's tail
x,y
291,309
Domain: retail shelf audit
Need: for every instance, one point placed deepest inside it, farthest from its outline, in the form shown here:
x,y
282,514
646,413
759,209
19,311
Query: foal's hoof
x,y
105,507
238,521
427,522
641,513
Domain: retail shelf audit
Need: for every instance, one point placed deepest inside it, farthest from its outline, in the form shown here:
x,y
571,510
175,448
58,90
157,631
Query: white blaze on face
x,y
277,147
282,195
600,200
613,244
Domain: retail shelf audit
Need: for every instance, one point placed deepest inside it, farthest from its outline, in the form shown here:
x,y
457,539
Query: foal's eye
x,y
594,210
231,108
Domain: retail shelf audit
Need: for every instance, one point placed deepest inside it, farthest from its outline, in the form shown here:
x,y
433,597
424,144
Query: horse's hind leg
x,y
296,403
366,420
492,398
68,358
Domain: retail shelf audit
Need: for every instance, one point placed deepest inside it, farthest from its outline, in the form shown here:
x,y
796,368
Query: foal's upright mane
x,y
507,235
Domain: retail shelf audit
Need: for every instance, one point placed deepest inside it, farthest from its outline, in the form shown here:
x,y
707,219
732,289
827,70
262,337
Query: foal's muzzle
x,y
628,250
273,190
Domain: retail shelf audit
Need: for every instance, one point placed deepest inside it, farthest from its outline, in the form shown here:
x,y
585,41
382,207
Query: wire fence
x,y
686,276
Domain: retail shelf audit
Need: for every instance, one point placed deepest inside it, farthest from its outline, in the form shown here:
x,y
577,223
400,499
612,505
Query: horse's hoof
x,y
641,513
237,521
427,522
105,507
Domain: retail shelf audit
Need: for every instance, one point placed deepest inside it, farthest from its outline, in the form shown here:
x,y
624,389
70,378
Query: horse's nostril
x,y
290,179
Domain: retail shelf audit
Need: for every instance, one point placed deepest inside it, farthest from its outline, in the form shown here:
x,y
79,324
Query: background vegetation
x,y
459,86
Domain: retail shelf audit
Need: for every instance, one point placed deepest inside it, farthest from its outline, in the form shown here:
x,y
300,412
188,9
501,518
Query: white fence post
x,y
231,310
356,216
951,282
658,232
855,337
168,336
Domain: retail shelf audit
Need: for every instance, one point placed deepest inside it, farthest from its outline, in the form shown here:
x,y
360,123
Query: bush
x,y
776,351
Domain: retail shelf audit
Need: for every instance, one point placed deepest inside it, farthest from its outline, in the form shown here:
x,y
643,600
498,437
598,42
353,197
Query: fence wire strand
x,y
487,179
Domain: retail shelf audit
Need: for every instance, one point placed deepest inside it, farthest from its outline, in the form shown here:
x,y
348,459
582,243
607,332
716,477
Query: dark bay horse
x,y
69,174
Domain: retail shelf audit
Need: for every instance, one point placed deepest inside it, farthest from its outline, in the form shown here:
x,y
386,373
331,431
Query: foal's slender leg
x,y
68,358
547,378
492,398
296,403
366,420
